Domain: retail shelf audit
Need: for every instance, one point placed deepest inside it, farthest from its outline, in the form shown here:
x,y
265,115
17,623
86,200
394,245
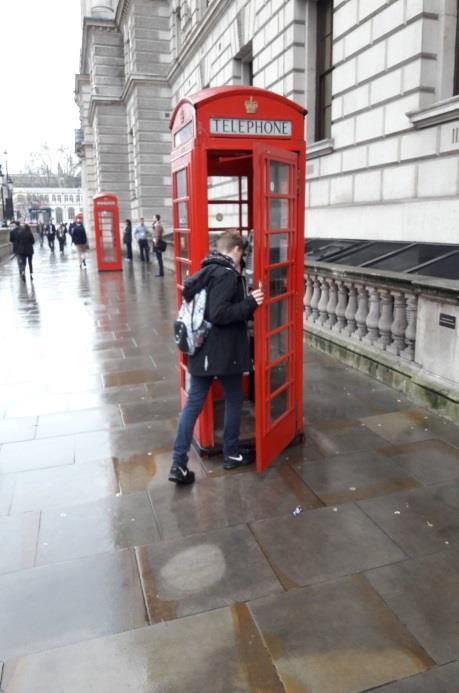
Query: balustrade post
x,y
332,304
373,316
315,300
399,323
362,312
323,303
351,310
308,297
341,307
410,333
385,320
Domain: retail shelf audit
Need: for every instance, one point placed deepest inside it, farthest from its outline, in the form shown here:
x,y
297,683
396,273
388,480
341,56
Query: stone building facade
x,y
64,203
378,77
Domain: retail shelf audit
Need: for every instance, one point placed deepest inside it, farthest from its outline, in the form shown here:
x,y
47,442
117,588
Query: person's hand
x,y
258,296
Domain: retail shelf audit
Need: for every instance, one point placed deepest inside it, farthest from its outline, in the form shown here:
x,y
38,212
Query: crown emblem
x,y
251,106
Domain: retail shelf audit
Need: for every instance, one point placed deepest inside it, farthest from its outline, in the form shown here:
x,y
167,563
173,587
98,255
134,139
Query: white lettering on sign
x,y
249,126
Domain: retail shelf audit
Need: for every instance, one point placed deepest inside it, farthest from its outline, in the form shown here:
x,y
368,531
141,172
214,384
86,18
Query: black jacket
x,y
226,350
79,235
14,233
25,242
50,230
127,236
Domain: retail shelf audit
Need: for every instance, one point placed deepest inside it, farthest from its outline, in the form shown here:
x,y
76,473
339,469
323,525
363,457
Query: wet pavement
x,y
113,580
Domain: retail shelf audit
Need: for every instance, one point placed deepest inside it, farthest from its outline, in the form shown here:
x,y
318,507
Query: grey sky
x,y
39,47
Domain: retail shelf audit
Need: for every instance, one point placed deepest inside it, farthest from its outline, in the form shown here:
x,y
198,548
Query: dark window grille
x,y
324,68
456,54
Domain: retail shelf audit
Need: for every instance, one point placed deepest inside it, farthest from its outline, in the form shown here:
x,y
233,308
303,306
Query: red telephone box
x,y
107,232
238,161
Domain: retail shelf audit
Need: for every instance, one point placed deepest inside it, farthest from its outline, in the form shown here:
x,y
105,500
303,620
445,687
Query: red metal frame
x,y
107,232
200,153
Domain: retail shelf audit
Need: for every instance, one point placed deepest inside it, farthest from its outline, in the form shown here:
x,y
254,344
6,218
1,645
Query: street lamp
x,y
1,194
8,207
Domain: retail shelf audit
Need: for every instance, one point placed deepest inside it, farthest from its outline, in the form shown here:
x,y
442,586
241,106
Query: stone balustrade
x,y
379,315
402,329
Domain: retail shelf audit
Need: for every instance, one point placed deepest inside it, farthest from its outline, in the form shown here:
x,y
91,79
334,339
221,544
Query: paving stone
x,y
338,636
56,605
134,377
7,486
323,544
79,421
17,429
400,427
142,471
429,461
438,680
203,572
221,651
341,436
37,454
228,500
418,521
105,525
18,541
423,594
138,412
354,476
62,486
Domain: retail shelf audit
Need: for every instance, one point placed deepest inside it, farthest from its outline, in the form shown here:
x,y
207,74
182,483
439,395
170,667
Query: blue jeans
x,y
234,398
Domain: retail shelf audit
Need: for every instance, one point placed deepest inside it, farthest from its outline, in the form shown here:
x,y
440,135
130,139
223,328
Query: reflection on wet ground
x,y
112,579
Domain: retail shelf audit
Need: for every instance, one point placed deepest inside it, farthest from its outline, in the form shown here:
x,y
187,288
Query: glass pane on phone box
x,y
278,345
278,281
180,178
279,405
278,214
278,248
184,271
226,215
278,314
278,375
278,178
183,245
182,210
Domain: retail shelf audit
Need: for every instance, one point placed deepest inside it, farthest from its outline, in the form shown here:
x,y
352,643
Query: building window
x,y
59,215
66,198
70,213
71,198
324,68
54,198
58,198
243,66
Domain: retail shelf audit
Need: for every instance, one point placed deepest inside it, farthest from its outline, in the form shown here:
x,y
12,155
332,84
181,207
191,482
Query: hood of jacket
x,y
211,264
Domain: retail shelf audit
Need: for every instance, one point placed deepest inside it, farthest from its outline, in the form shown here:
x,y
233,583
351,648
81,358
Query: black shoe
x,y
181,475
233,461
159,275
23,276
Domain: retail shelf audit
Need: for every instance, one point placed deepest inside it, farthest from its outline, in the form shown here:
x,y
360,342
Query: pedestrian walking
x,y
14,243
50,233
225,354
41,234
80,239
61,237
127,239
142,235
159,245
25,244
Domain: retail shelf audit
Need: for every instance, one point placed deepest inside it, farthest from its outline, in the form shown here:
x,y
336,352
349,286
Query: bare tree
x,y
48,163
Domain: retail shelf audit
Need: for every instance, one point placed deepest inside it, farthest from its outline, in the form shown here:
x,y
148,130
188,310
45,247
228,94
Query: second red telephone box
x,y
107,232
238,161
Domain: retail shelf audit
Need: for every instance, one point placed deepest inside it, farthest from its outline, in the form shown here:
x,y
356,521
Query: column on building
x,y
145,28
